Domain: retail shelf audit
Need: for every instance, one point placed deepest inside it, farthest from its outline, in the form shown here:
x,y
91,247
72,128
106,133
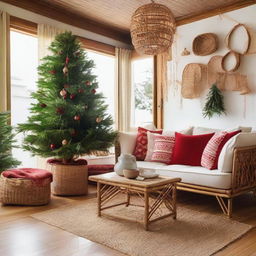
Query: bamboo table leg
x,y
128,198
174,196
146,210
99,198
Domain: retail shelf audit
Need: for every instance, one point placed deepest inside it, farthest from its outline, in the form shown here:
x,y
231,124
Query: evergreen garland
x,y
6,139
214,103
69,117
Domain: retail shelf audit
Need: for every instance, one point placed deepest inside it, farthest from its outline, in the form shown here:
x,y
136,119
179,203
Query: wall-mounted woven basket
x,y
205,44
230,62
238,39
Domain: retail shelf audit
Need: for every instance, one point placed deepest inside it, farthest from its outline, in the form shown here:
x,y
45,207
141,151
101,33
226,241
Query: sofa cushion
x,y
149,165
197,130
127,142
212,151
163,149
226,155
140,150
197,175
187,131
188,149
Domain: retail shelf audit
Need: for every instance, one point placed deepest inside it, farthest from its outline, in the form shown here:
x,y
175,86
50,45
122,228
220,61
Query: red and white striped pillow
x,y
211,151
163,149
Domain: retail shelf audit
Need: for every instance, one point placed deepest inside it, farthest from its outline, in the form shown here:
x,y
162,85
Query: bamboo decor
x,y
152,29
205,44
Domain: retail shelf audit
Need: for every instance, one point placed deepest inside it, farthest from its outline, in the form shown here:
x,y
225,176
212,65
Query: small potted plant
x,y
69,117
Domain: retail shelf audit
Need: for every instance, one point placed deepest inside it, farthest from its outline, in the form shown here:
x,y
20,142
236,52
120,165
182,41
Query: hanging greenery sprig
x,y
214,103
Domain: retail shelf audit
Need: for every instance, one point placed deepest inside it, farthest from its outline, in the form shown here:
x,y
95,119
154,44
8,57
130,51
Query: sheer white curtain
x,y
5,73
46,35
123,89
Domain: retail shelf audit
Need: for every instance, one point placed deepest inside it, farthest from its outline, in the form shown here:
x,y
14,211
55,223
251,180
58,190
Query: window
x,y
24,62
142,84
105,72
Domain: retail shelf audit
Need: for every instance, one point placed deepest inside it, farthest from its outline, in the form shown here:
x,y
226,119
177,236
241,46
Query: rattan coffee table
x,y
161,191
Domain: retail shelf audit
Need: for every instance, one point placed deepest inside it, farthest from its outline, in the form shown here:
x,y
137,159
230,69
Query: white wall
x,y
27,15
241,110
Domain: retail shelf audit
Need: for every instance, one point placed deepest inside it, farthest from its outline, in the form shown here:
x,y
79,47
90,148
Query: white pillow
x,y
127,142
187,131
243,139
203,130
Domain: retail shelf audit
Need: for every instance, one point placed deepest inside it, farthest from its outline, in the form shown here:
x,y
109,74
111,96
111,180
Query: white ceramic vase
x,y
125,161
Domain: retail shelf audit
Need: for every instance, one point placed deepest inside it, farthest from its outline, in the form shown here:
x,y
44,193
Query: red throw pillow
x,y
188,149
163,149
228,136
141,146
210,151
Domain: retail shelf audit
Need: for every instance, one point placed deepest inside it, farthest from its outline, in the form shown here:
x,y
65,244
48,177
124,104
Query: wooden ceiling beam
x,y
58,14
206,14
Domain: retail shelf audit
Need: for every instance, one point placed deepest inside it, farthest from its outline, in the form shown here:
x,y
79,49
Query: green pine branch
x,y
6,145
214,103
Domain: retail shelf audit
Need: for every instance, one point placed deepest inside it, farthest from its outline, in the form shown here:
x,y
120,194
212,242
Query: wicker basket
x,y
69,179
205,44
24,192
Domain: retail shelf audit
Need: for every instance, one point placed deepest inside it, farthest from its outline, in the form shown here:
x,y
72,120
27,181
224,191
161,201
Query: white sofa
x,y
236,171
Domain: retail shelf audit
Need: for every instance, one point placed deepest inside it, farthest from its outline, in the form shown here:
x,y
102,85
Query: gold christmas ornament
x,y
98,119
64,142
152,29
63,92
65,70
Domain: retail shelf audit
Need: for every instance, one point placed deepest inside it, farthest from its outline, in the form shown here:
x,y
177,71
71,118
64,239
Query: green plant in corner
x,y
6,145
69,116
214,102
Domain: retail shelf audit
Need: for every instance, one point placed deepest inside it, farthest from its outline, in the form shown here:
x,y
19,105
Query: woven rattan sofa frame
x,y
243,179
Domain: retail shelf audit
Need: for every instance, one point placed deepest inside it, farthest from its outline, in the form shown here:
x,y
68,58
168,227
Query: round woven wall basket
x,y
205,44
152,29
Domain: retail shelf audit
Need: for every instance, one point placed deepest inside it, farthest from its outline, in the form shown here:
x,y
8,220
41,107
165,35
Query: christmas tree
x,y
6,138
69,117
214,102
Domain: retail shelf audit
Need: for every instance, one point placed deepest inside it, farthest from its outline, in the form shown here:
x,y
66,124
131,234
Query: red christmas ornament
x,y
87,83
66,86
65,96
63,92
60,111
52,146
77,117
42,105
72,96
73,132
80,90
93,91
67,60
53,72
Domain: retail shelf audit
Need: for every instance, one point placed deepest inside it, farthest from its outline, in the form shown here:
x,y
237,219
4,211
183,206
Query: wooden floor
x,y
22,235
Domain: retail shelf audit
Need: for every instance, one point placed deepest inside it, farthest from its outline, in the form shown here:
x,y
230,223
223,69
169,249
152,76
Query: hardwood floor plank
x,y
22,235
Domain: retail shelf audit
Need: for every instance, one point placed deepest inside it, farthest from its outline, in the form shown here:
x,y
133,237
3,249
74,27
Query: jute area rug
x,y
193,233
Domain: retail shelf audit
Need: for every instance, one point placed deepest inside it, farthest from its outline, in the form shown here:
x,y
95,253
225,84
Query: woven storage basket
x,y
24,191
205,44
69,179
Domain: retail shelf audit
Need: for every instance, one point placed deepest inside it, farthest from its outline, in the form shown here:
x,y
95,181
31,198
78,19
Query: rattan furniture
x,y
243,179
161,190
19,191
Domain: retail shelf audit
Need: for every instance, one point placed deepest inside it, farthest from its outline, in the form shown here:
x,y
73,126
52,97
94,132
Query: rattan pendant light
x,y
152,29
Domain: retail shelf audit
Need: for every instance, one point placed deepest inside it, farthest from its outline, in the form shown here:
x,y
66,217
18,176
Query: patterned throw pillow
x,y
212,148
163,149
140,150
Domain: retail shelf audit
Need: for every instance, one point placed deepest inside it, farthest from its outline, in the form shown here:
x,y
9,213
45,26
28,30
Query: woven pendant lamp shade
x,y
152,29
